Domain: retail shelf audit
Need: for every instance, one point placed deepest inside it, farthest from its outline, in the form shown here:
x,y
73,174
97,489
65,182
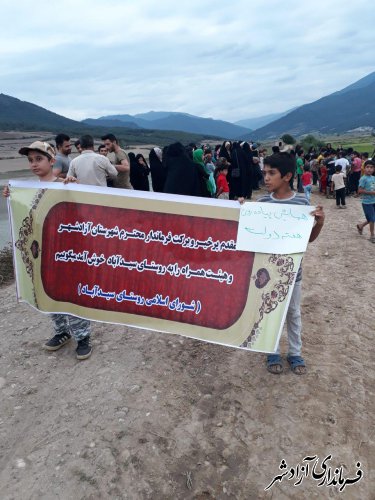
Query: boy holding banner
x,y
41,157
278,170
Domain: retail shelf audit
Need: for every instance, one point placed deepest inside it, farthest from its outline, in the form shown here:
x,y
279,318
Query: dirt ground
x,y
156,416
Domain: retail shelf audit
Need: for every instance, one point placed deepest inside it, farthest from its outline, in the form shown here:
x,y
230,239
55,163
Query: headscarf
x,y
207,180
158,171
159,153
198,157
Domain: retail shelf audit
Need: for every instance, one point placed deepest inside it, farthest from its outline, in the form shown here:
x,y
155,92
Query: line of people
x,y
229,171
190,170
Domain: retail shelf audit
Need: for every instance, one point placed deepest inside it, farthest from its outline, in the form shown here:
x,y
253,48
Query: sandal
x,y
297,364
274,364
360,229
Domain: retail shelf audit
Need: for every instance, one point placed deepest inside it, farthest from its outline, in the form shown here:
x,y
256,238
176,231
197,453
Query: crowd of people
x,y
226,171
230,170
327,162
339,173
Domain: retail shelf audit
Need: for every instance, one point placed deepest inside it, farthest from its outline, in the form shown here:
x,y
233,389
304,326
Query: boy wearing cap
x,y
41,157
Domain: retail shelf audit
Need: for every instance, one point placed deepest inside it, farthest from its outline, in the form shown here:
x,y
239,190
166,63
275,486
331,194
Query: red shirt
x,y
323,173
357,164
306,178
221,182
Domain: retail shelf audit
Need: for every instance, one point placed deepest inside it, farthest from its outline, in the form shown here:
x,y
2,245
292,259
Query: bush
x,y
288,139
311,141
6,265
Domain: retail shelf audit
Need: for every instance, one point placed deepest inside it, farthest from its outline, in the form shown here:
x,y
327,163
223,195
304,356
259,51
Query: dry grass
x,y
6,265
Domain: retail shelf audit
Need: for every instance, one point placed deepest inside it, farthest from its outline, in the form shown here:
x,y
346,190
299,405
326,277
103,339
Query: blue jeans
x,y
299,183
307,191
293,322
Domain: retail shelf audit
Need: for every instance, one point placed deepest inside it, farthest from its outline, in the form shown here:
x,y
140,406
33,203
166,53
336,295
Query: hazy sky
x,y
220,59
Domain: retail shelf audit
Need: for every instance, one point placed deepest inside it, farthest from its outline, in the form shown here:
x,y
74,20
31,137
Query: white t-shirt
x,y
343,162
338,181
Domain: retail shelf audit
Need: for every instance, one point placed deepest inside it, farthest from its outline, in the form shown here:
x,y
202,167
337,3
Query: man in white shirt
x,y
342,162
90,167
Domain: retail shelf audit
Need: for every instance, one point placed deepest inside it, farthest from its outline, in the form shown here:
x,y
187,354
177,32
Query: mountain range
x,y
261,121
167,120
21,115
348,109
345,110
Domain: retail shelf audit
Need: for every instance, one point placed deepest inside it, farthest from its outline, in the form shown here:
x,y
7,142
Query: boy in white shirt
x,y
338,183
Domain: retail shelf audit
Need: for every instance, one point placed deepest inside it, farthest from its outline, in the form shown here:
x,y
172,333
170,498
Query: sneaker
x,y
343,206
84,348
57,341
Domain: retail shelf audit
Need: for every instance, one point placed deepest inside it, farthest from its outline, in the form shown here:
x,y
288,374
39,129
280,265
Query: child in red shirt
x,y
222,187
307,182
323,179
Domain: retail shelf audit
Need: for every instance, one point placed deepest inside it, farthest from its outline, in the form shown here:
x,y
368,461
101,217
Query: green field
x,y
365,144
361,147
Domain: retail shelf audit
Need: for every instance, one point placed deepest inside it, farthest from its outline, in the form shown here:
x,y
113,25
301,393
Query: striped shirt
x,y
295,199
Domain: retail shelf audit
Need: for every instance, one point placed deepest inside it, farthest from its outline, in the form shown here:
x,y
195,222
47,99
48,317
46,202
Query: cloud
x,y
230,61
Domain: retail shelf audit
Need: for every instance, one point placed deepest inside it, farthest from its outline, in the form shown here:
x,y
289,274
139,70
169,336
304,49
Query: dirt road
x,y
155,416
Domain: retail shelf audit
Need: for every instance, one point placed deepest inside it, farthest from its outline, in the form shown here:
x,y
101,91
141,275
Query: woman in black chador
x,y
182,173
250,170
141,174
137,174
158,172
133,167
238,173
225,151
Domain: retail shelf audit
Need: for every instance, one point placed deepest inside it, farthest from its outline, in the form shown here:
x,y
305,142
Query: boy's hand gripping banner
x,y
154,261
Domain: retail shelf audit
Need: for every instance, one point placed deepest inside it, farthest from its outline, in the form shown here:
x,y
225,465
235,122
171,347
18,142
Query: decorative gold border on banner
x,y
255,329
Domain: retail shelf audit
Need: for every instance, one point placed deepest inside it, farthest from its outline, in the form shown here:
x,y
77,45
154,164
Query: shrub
x,y
6,265
311,141
288,139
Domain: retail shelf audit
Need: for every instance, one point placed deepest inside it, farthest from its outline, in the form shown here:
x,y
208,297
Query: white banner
x,y
274,227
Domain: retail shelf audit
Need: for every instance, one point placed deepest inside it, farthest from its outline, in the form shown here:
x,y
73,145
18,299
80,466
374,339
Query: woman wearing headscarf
x,y
258,175
133,167
141,173
225,151
250,170
238,173
207,190
182,176
158,172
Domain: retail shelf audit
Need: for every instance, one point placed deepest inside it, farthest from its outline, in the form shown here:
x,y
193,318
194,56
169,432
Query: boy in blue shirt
x,y
366,188
278,170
